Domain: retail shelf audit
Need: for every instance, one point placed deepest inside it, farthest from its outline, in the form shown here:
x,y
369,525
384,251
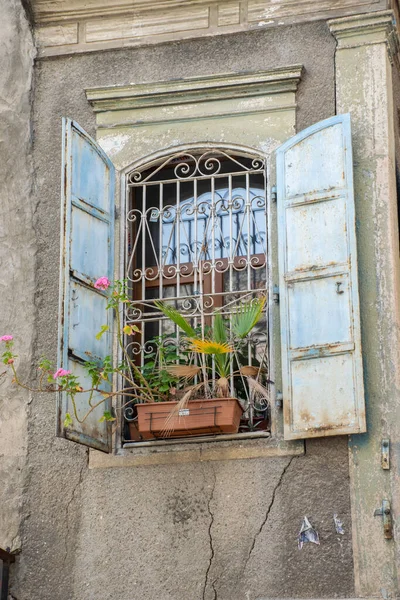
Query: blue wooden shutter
x,y
87,247
320,322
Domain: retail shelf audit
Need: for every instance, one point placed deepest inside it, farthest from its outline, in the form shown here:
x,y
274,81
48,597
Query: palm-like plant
x,y
246,317
219,341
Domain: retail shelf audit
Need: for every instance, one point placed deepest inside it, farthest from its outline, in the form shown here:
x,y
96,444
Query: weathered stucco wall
x,y
221,530
17,253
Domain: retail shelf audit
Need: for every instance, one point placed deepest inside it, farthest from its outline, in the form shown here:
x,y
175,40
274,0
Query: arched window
x,y
197,238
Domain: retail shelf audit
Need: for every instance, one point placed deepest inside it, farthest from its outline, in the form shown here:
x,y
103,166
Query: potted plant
x,y
207,404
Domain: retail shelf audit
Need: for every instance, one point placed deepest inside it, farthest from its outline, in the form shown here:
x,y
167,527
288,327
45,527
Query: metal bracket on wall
x,y
273,193
385,512
385,457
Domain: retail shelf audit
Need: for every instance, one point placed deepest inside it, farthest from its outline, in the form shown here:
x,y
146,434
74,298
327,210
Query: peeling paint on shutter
x,y
87,248
323,388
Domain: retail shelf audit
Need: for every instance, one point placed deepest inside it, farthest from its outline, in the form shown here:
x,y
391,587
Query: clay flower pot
x,y
215,415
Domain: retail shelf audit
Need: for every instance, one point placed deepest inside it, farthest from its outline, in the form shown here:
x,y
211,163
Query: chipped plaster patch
x,y
113,144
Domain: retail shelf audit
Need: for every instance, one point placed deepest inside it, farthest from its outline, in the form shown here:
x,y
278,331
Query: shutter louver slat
x,y
87,247
320,323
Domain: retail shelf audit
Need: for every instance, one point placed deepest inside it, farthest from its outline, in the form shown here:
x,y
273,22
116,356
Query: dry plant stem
x,y
261,363
128,379
125,392
241,376
94,406
132,365
179,406
90,398
149,398
26,387
202,358
41,379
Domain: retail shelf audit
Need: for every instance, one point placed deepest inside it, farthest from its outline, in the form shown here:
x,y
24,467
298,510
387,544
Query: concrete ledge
x,y
233,450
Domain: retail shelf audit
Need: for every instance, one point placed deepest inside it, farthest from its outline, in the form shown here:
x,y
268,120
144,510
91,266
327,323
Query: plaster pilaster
x,y
367,47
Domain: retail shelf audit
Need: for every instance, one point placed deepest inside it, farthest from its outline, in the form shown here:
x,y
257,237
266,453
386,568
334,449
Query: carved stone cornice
x,y
71,26
365,30
195,89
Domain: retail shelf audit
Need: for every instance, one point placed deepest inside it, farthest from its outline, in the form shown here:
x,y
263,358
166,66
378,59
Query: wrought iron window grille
x,y
196,236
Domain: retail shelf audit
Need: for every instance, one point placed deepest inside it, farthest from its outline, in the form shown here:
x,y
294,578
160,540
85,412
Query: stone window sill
x,y
139,454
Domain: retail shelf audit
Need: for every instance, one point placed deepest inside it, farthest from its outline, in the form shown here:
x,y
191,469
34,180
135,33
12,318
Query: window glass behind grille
x,y
197,238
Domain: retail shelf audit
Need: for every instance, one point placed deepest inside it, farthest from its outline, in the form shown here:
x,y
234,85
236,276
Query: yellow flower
x,y
210,347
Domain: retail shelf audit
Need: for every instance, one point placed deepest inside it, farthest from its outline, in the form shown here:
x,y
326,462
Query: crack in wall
x,y
214,590
265,520
211,541
67,509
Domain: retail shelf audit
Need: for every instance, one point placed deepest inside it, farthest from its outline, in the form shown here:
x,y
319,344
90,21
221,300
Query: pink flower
x,y
6,338
102,283
61,373
10,361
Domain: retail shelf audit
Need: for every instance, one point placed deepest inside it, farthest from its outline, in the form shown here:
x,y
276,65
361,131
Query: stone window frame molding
x,y
123,113
158,102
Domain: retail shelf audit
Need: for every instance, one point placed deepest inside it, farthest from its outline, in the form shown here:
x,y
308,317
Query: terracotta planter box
x,y
216,415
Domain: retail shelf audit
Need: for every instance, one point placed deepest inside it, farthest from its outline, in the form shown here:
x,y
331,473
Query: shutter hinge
x,y
279,400
273,193
385,512
116,213
385,458
275,294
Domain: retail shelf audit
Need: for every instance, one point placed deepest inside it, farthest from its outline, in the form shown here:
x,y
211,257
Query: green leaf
x,y
68,420
247,316
176,317
95,379
7,356
102,331
107,416
45,364
222,364
107,364
220,333
92,368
